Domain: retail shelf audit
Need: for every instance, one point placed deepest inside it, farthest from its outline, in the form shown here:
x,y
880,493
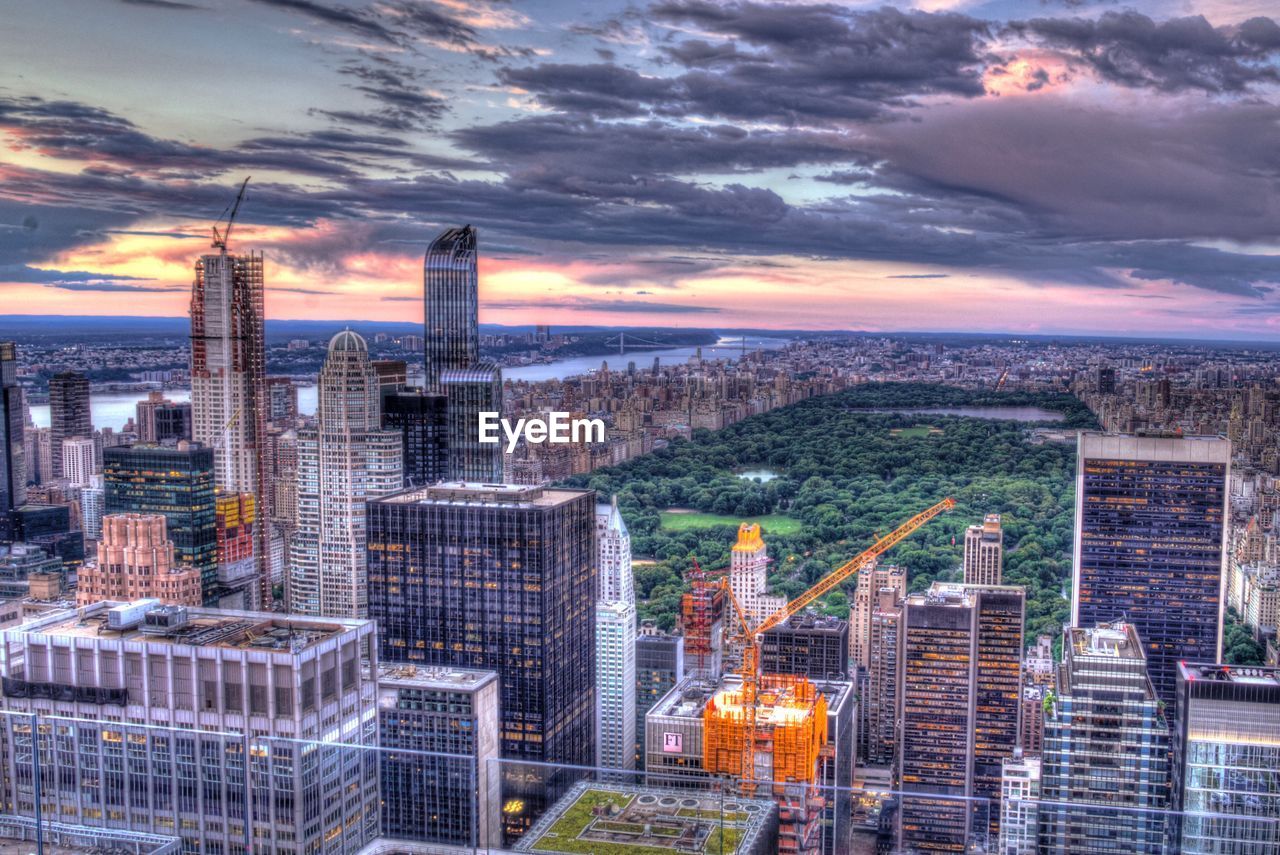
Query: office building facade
x,y
959,667
807,645
218,727
177,483
1151,546
438,730
345,461
1019,805
420,419
659,666
1105,762
1226,749
498,578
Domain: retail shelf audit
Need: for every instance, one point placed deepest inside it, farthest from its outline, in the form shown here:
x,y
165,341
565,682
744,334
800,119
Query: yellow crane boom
x,y
751,635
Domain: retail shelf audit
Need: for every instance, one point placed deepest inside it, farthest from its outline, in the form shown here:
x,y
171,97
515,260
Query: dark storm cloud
x,y
74,131
568,149
162,4
1130,49
357,21
397,88
785,63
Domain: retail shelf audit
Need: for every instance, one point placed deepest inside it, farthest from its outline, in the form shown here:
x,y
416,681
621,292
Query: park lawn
x,y
772,523
913,432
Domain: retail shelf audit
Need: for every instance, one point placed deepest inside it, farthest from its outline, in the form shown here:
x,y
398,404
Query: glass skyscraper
x,y
1226,786
1105,763
13,479
960,661
69,414
452,355
1150,544
176,482
497,578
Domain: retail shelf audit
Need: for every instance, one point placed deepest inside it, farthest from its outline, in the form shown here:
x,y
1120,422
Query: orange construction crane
x,y
750,636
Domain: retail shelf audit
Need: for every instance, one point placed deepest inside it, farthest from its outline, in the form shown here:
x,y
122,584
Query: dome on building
x,y
347,340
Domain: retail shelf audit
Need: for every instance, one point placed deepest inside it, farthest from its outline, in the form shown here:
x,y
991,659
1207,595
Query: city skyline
x,y
972,166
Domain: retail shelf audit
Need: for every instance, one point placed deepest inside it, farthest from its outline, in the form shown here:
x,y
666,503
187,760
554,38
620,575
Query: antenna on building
x,y
220,238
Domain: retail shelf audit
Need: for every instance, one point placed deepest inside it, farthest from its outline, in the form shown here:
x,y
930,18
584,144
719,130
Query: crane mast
x,y
751,636
220,238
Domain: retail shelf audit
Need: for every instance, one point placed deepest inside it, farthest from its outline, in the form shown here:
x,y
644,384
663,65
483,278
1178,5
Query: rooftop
x,y
477,494
607,818
1247,675
422,677
1117,640
202,627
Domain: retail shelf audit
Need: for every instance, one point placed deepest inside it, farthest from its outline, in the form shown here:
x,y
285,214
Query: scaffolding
x,y
702,608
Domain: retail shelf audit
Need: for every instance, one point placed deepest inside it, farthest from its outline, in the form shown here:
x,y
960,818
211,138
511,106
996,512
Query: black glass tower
x,y
13,479
176,482
420,418
1150,545
498,578
452,355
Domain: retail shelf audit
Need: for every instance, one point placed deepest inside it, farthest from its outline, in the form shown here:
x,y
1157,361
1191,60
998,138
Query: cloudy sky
x,y
1002,166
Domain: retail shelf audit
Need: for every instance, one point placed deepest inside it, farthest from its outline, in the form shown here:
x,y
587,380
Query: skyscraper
x,y
748,571
984,552
499,578
1019,804
1150,545
880,693
177,483
866,596
442,785
615,642
451,303
139,681
344,461
960,661
452,355
228,374
135,562
1105,762
420,419
1226,753
13,468
69,414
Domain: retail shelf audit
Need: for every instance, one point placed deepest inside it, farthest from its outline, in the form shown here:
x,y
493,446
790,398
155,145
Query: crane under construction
x,y
771,730
220,238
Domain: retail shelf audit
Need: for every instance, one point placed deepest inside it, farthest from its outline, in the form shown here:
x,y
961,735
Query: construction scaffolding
x,y
702,611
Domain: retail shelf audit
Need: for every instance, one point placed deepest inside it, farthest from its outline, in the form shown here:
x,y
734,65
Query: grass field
x,y
915,432
683,521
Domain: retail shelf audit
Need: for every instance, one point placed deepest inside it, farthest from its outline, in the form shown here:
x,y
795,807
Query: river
x,y
113,409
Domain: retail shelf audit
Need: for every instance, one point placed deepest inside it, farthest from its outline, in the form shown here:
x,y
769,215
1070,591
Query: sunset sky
x,y
1039,167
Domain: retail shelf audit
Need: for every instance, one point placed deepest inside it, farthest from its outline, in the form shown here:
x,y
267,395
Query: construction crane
x,y
750,636
220,238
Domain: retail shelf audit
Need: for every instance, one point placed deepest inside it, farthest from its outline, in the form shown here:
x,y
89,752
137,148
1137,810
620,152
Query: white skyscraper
x,y
344,461
79,460
615,643
92,503
748,569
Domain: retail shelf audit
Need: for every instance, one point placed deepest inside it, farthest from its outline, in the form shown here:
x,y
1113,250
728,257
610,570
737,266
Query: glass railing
x,y
80,784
